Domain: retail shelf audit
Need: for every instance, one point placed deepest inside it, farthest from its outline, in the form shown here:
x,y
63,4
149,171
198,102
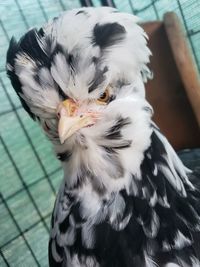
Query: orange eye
x,y
104,97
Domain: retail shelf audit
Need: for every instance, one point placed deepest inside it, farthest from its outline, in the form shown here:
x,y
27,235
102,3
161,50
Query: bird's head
x,y
82,76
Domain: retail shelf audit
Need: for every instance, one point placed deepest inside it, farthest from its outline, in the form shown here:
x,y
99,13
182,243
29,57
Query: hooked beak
x,y
70,122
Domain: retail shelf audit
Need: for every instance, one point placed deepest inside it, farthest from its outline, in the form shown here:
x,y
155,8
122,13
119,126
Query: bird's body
x,y
126,199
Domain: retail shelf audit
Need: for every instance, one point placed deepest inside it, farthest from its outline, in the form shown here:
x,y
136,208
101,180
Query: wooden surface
x,y
184,61
166,92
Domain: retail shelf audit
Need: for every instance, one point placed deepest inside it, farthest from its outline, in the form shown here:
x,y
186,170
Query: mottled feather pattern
x,y
126,198
130,214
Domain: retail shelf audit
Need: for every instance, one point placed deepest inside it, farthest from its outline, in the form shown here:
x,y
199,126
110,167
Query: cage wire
x,y
29,172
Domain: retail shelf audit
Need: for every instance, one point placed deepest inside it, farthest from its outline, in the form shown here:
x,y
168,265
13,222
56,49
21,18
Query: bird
x,y
126,199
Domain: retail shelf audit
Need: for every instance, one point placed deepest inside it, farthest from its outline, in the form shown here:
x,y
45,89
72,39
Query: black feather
x,y
60,251
30,44
64,156
13,50
82,12
98,79
115,131
109,34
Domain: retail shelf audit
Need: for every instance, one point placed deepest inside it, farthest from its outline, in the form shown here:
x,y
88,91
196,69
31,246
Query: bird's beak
x,y
69,120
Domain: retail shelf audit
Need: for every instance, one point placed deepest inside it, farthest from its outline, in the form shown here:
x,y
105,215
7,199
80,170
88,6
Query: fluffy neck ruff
x,y
104,157
122,154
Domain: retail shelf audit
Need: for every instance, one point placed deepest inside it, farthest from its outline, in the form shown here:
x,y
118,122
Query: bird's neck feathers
x,y
94,169
125,152
155,176
105,156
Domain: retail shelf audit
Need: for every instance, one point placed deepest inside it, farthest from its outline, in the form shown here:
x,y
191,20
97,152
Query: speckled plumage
x,y
126,198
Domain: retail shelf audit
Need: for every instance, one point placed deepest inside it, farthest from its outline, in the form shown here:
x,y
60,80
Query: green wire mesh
x,y
29,172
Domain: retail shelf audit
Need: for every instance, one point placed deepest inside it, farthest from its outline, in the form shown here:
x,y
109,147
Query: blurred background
x,y
29,172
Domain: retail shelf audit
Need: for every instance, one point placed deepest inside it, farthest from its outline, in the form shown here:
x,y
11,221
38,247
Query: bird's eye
x,y
104,97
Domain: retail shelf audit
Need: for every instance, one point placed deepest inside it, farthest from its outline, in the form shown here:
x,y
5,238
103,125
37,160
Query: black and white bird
x,y
126,199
